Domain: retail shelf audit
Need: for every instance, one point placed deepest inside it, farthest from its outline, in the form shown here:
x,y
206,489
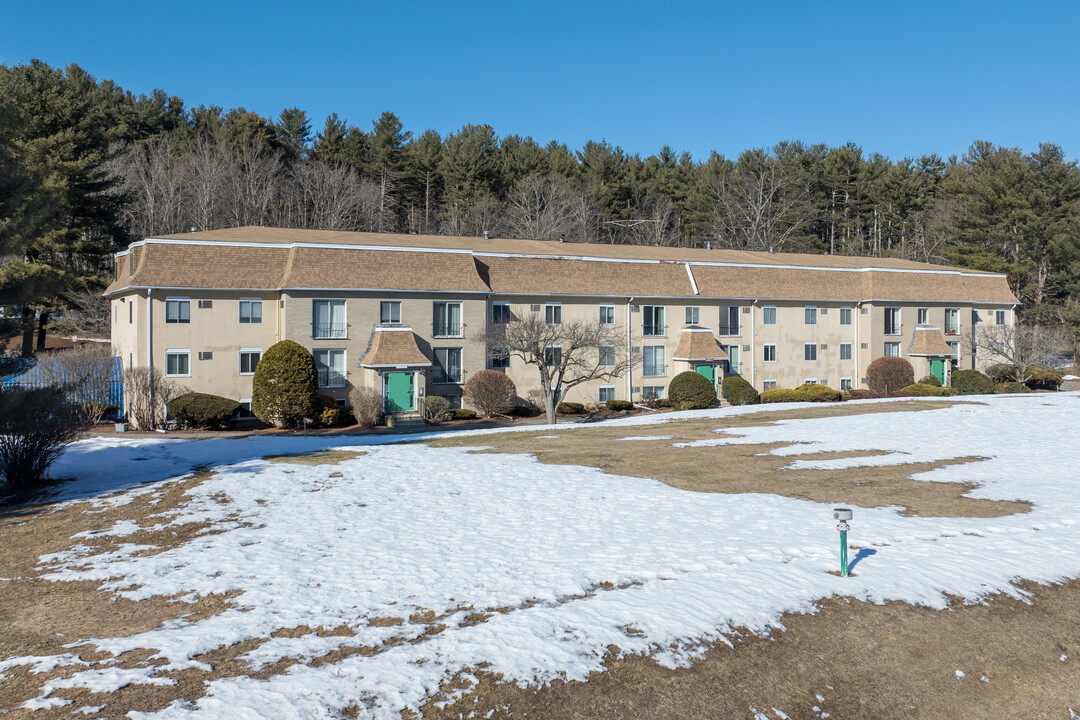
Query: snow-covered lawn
x,y
533,570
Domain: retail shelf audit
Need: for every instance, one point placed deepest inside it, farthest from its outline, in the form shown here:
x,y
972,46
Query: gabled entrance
x,y
937,369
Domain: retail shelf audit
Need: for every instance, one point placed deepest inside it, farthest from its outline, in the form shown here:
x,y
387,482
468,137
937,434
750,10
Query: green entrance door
x,y
399,391
708,371
937,369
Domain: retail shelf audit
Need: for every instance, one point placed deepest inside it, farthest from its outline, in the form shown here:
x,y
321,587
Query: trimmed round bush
x,y
332,415
619,405
972,382
459,414
1040,378
570,408
526,410
927,390
202,410
889,373
1015,387
738,391
807,392
930,380
285,389
691,391
491,393
1001,373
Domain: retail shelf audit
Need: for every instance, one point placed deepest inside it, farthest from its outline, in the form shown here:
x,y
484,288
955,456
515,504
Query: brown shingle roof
x,y
271,258
698,344
392,347
552,276
928,341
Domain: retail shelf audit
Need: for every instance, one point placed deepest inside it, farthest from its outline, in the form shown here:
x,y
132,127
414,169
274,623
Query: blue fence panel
x,y
31,378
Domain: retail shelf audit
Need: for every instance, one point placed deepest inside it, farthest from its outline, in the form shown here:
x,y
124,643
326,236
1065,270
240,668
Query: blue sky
x,y
899,78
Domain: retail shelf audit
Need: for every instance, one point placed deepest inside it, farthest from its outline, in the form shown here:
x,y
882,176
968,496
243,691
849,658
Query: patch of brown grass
x,y
749,468
316,457
888,662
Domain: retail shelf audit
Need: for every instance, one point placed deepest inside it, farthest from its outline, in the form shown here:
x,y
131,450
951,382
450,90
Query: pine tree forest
x,y
87,167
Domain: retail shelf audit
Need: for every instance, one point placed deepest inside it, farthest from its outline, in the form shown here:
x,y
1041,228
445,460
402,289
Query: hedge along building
x,y
398,312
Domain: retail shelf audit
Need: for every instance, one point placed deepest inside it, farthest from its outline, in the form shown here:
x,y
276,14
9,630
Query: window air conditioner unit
x,y
534,308
206,356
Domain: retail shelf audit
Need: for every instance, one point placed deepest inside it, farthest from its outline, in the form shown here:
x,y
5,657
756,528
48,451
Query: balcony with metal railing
x,y
331,379
728,330
329,331
653,330
453,330
653,370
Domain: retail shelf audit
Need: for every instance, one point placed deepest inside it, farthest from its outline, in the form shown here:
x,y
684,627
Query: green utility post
x,y
842,515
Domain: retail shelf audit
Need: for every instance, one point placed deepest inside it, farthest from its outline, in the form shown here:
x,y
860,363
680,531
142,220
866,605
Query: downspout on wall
x,y
150,353
629,354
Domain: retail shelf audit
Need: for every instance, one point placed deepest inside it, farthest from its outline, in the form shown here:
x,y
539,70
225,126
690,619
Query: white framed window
x,y
389,312
924,316
810,381
810,315
955,359
607,355
652,320
244,413
331,367
845,316
845,351
250,311
446,319
553,355
500,313
177,310
500,359
768,315
606,392
177,363
892,321
729,320
553,313
769,384
653,392
447,366
892,349
693,316
845,383
999,317
952,321
652,361
249,358
768,352
607,314
810,351
328,319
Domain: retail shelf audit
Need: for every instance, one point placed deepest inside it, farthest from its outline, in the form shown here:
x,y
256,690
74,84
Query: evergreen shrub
x,y
332,415
570,408
927,390
889,373
930,380
807,392
1040,378
459,414
1001,373
619,405
285,389
972,382
1015,387
738,391
691,391
202,410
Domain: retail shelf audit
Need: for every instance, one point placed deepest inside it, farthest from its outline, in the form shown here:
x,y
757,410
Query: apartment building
x,y
401,313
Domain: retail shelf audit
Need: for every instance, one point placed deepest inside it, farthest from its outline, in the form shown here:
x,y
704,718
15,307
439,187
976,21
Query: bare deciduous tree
x,y
147,392
565,354
542,207
332,196
152,178
1022,346
761,202
85,373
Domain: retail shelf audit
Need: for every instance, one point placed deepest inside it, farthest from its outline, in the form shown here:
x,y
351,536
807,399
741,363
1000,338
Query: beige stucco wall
x,y
289,315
